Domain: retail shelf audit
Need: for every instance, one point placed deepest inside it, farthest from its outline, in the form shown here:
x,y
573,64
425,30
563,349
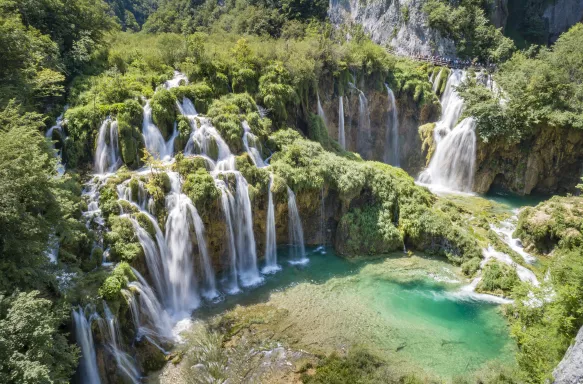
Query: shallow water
x,y
399,308
515,201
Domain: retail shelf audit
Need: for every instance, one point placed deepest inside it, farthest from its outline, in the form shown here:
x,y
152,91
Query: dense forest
x,y
282,76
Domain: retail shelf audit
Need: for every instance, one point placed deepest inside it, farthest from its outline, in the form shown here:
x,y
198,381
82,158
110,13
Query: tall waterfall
x,y
110,332
296,233
248,272
341,133
437,80
452,165
363,141
227,201
323,228
451,105
88,371
107,153
321,112
154,140
391,155
270,240
58,127
252,146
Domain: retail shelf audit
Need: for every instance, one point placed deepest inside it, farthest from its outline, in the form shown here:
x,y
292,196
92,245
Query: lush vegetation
x,y
466,22
534,90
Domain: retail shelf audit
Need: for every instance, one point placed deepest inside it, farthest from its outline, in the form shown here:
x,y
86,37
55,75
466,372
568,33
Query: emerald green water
x,y
514,201
391,307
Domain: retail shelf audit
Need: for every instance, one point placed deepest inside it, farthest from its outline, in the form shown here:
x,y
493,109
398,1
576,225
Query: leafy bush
x,y
116,281
163,105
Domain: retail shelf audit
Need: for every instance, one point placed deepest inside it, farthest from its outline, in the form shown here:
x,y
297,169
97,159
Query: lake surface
x,y
410,311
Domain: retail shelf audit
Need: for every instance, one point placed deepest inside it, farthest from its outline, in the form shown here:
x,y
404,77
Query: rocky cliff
x,y
561,15
570,369
549,161
400,24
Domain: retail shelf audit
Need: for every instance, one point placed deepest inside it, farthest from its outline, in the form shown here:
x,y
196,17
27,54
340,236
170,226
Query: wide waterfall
x,y
391,154
107,153
88,372
452,165
270,240
341,133
296,233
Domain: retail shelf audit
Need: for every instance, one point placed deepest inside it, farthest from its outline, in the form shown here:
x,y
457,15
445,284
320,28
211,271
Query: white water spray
x,y
107,158
270,240
88,371
296,233
391,154
341,133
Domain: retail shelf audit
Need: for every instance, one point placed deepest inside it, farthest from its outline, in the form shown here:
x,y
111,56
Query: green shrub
x,y
201,189
163,105
116,281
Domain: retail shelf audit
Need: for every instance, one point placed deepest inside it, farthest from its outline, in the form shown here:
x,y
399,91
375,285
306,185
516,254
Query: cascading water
x,y
107,158
227,201
505,231
110,332
252,146
247,256
452,165
296,233
270,240
363,140
524,274
341,133
88,372
323,228
321,112
58,127
391,155
436,81
177,80
154,140
150,319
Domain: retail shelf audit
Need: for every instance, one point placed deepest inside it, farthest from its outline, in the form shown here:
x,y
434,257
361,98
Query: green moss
x,y
184,132
367,231
257,177
116,281
146,223
131,141
498,278
427,141
188,165
227,114
201,189
122,240
158,186
163,105
200,94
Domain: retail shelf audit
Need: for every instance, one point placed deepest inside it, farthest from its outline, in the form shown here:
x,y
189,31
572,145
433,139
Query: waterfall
x,y
505,231
110,332
107,158
150,319
341,134
227,201
391,155
270,240
182,216
524,274
452,165
252,146
154,140
247,253
49,135
437,80
88,372
296,233
176,80
363,139
451,105
321,112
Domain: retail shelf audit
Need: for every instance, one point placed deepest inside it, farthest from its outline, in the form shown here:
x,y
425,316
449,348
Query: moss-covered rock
x,y
367,231
188,165
163,105
558,221
116,281
131,141
498,278
227,114
201,189
122,240
200,94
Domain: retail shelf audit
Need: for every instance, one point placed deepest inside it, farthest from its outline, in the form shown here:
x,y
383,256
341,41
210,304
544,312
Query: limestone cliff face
x,y
549,161
561,15
499,13
410,116
400,24
570,369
